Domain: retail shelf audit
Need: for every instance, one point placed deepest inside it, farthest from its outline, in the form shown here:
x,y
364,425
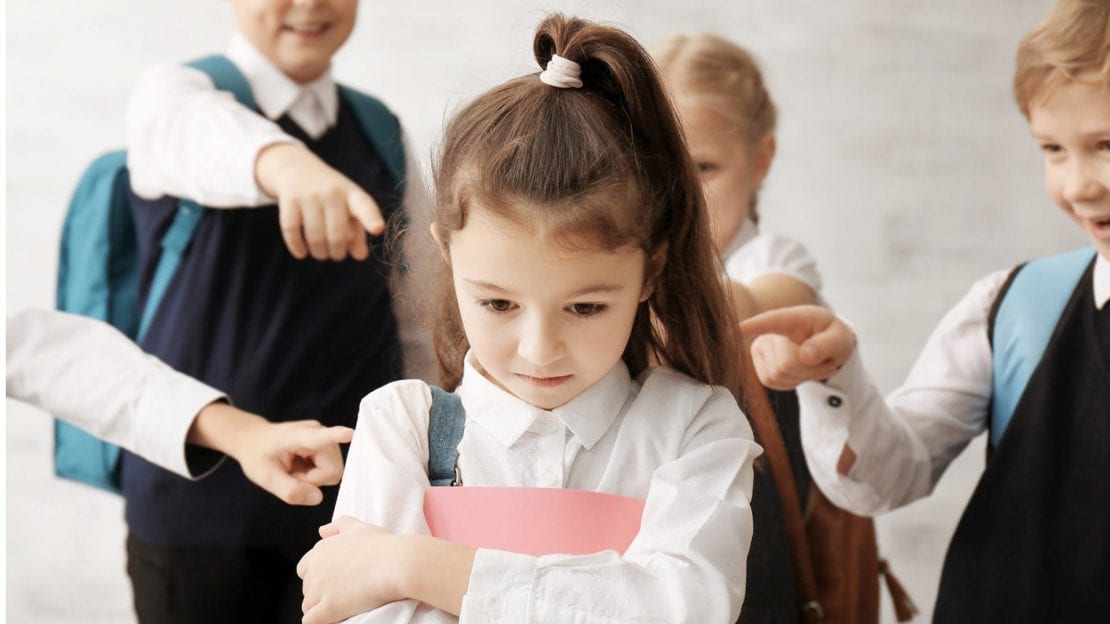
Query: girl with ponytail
x,y
588,335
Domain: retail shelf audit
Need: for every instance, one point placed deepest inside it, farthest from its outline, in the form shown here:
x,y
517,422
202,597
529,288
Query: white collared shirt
x,y
88,374
905,443
684,446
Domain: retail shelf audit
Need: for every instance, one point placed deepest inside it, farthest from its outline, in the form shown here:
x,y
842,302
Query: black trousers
x,y
212,585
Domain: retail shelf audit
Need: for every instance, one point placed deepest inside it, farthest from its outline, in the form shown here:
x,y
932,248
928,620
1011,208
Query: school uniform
x,y
88,374
772,595
1032,544
684,446
289,339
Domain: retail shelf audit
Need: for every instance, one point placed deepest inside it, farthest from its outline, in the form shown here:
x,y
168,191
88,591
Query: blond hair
x,y
1073,39
727,78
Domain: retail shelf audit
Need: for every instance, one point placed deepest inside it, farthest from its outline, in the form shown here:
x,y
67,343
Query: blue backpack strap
x,y
227,77
1026,320
446,421
381,126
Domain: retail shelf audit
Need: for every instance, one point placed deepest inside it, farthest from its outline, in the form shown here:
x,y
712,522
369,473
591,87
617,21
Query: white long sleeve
x,y
86,373
904,443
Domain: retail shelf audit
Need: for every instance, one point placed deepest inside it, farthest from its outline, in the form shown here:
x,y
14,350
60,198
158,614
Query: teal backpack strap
x,y
1026,320
174,244
446,421
381,126
227,77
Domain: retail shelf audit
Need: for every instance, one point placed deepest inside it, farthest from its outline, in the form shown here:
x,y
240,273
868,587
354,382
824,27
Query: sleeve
x,y
88,374
412,303
903,444
687,563
769,254
187,139
386,473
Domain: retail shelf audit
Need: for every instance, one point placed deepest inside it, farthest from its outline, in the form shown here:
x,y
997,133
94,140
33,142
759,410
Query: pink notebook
x,y
533,521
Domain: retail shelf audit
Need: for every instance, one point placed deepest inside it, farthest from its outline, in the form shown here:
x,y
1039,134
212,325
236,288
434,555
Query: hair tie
x,y
562,73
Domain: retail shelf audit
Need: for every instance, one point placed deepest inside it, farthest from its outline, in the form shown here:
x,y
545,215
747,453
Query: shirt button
x,y
550,425
835,401
551,478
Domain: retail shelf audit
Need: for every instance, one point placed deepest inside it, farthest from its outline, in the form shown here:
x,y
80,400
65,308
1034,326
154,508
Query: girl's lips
x,y
544,381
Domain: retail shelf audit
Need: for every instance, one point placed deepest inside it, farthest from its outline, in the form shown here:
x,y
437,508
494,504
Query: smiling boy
x,y
1033,543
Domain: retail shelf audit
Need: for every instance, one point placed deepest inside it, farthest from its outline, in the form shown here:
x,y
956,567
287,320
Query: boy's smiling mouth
x,y
306,30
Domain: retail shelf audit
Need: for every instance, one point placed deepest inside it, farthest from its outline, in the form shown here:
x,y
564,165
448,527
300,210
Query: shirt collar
x,y
588,416
273,90
1102,281
748,230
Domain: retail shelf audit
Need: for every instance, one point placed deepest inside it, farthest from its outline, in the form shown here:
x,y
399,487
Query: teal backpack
x,y
1022,321
98,264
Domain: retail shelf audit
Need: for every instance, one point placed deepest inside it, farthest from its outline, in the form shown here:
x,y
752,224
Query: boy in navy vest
x,y
282,298
1033,544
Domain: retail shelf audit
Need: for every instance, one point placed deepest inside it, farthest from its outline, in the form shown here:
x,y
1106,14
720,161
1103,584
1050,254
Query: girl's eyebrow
x,y
589,290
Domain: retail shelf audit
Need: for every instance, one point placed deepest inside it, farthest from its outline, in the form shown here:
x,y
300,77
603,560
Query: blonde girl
x,y
729,117
586,330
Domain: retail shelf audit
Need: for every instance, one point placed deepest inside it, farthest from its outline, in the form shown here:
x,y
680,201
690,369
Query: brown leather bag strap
x,y
770,436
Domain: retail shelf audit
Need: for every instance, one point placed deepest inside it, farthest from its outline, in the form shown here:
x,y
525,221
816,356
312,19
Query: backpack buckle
x,y
458,477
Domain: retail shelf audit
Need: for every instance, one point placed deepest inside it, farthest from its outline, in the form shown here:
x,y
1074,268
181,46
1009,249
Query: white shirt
x,y
90,375
905,443
752,254
187,139
683,446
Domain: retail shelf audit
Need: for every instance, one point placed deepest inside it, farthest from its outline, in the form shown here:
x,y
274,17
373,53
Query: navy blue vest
x,y
288,339
1033,544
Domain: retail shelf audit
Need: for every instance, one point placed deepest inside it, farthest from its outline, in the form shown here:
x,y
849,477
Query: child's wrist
x,y
224,428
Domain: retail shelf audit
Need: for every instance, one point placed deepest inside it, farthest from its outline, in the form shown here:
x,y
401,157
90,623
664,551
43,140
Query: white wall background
x,y
903,165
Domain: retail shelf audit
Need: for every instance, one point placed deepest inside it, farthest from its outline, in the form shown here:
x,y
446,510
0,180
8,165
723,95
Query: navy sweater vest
x,y
1033,544
288,339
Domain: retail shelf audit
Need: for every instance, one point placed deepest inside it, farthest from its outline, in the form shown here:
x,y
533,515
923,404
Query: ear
x,y
654,270
438,237
762,157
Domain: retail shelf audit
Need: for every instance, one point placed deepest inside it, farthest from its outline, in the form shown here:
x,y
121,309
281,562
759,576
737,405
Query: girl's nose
x,y
540,343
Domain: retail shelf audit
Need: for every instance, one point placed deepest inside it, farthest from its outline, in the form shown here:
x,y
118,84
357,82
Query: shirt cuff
x,y
165,414
836,413
500,585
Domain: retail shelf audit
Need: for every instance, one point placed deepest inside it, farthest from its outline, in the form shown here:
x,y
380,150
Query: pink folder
x,y
533,521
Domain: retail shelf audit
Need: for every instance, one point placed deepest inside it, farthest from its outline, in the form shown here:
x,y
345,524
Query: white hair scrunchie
x,y
562,73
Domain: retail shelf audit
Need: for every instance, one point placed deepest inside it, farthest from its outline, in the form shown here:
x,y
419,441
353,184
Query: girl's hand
x,y
355,568
797,344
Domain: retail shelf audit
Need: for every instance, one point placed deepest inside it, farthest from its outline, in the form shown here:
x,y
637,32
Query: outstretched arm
x,y
85,372
187,139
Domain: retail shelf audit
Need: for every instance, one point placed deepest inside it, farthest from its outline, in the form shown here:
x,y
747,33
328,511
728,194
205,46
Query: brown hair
x,y
727,77
602,165
1074,38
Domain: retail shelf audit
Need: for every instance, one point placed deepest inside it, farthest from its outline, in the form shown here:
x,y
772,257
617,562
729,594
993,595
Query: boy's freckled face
x,y
543,322
729,174
298,36
1072,126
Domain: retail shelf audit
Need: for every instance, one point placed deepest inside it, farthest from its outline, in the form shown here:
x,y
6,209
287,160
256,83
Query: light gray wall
x,y
902,164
